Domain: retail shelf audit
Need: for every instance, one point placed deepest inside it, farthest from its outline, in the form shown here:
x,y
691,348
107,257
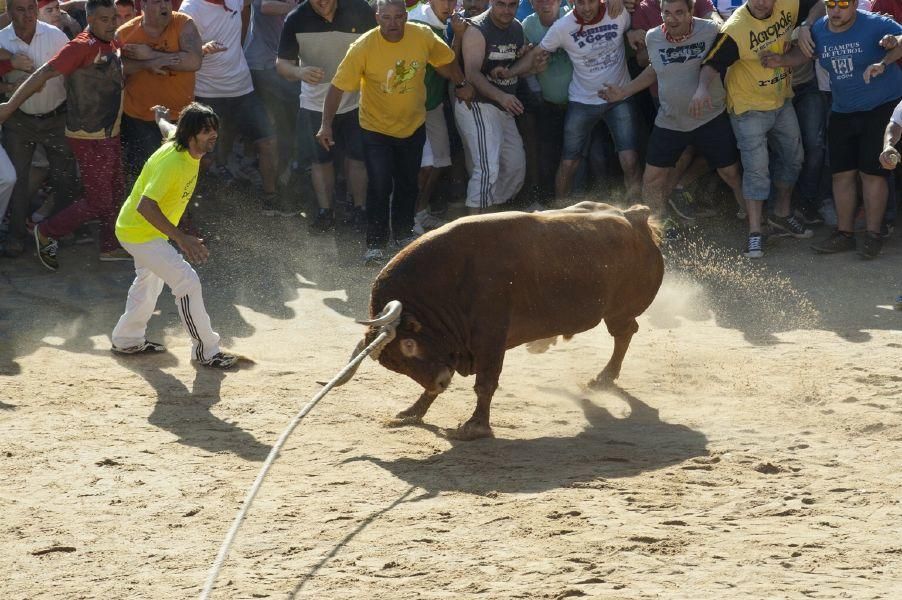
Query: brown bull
x,y
481,285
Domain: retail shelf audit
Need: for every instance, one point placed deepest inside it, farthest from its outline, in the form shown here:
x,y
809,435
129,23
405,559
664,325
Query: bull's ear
x,y
409,347
410,322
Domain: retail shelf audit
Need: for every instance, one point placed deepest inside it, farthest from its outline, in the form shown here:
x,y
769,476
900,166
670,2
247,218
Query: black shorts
x,y
855,140
245,114
714,140
345,133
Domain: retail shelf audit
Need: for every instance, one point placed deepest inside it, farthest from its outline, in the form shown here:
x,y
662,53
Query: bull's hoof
x,y
404,418
604,381
471,431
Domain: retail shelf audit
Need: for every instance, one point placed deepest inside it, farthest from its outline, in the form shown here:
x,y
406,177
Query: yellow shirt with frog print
x,y
390,77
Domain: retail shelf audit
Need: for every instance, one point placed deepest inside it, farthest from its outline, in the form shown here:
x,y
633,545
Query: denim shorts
x,y
758,130
245,113
622,119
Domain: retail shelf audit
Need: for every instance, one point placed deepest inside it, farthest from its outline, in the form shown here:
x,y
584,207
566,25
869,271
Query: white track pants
x,y
156,263
7,181
499,162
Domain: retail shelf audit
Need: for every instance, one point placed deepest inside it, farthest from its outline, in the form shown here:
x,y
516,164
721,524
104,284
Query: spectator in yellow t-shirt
x,y
388,65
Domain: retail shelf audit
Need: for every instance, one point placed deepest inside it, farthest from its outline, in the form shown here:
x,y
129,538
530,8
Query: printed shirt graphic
x,y
168,178
677,67
596,51
390,77
94,83
847,54
501,47
737,51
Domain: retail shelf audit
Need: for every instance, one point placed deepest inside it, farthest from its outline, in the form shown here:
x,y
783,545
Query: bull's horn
x,y
360,346
390,314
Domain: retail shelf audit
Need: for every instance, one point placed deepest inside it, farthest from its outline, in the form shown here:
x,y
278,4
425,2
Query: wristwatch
x,y
464,83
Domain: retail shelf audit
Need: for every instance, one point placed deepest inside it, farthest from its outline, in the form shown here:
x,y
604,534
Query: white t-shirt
x,y
224,74
897,115
47,41
596,51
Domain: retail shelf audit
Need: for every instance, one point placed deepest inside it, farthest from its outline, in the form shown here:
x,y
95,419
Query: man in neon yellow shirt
x,y
146,223
388,66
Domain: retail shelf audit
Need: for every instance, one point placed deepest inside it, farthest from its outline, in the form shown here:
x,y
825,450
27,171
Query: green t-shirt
x,y
168,178
436,85
555,79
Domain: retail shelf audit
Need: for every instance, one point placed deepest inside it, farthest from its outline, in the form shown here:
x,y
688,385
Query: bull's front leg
x,y
623,331
478,425
417,410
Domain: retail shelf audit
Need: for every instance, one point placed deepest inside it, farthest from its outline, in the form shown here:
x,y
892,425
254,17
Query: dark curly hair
x,y
195,119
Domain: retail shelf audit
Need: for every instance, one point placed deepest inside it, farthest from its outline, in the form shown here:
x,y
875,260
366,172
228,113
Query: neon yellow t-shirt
x,y
168,178
390,76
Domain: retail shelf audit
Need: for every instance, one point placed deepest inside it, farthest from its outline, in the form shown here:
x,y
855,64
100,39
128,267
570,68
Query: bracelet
x,y
462,84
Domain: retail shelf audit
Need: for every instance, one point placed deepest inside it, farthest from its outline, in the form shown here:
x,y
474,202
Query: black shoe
x,y
789,226
324,221
220,360
46,250
811,215
837,242
146,347
871,245
269,205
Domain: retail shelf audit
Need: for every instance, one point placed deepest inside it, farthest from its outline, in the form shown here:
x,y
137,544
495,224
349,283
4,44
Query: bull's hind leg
x,y
622,330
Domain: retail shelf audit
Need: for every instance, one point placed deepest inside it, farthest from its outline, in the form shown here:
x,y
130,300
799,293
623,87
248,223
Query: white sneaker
x,y
425,221
373,256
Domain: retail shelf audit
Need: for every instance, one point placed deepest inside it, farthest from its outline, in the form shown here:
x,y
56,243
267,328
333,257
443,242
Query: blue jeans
x,y
392,166
811,110
756,130
622,119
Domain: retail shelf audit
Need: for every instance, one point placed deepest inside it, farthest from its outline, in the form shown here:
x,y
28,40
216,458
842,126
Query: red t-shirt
x,y
81,51
94,83
892,8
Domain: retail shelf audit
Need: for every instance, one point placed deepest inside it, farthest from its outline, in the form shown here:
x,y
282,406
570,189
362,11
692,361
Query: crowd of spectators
x,y
368,107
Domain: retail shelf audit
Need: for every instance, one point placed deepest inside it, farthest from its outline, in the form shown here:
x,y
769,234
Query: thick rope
x,y
386,332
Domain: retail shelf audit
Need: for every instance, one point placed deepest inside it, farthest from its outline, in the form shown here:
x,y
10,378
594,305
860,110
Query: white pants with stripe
x,y
7,181
156,263
499,161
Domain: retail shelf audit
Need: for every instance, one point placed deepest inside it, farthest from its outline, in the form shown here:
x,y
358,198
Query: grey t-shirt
x,y
262,41
677,67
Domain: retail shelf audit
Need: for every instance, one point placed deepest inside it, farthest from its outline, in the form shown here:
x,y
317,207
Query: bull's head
x,y
409,349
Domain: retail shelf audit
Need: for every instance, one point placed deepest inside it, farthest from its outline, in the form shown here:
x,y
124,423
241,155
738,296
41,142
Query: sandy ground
x,y
753,448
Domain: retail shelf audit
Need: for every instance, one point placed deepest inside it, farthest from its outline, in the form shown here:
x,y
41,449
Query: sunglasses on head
x,y
835,3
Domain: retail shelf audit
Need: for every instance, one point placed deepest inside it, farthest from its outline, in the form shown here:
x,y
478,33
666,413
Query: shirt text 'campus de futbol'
x,y
737,50
677,67
846,55
596,51
168,178
390,77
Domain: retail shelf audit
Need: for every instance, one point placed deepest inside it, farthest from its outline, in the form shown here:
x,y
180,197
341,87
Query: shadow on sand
x,y
609,447
186,413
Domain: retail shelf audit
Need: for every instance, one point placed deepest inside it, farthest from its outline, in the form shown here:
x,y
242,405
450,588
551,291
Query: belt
x,y
56,111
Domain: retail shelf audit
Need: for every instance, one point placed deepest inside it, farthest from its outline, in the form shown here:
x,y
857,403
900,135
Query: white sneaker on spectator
x,y
535,207
425,221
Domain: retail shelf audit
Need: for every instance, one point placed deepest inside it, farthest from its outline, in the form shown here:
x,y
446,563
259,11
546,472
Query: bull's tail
x,y
640,218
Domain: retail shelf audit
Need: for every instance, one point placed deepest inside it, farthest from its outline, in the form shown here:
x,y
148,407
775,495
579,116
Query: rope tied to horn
x,y
387,321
